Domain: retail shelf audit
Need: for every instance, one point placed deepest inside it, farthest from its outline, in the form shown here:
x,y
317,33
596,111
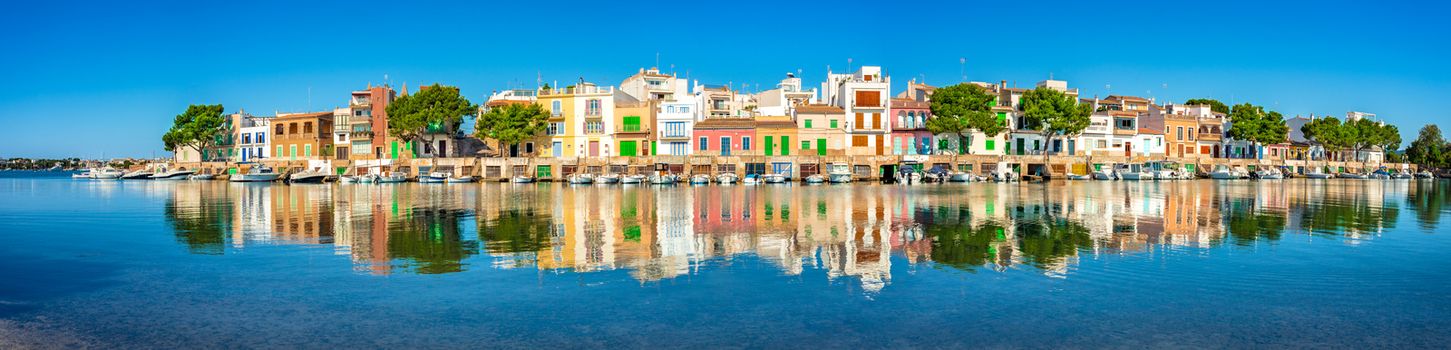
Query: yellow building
x,y
580,120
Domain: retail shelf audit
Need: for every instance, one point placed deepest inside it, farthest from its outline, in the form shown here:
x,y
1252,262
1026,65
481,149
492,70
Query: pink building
x,y
724,136
909,127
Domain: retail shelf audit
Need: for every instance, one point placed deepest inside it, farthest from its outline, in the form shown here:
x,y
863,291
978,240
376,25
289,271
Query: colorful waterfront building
x,y
785,97
1023,140
909,127
302,136
500,99
252,141
633,133
863,96
367,126
778,137
821,129
724,136
674,122
580,116
1181,129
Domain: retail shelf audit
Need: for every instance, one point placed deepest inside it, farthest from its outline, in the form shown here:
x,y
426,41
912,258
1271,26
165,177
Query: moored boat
x,y
1425,174
84,175
137,175
256,174
773,178
751,179
461,179
436,177
839,173
580,179
173,175
958,176
727,178
815,179
664,179
202,177
1134,172
1356,176
1223,172
632,179
1269,173
310,176
393,177
521,179
700,179
607,179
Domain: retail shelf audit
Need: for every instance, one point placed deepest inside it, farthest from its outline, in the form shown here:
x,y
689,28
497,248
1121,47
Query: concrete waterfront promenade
x,y
863,167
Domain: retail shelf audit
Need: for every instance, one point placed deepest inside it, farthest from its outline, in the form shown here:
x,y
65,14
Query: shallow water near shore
x,y
182,264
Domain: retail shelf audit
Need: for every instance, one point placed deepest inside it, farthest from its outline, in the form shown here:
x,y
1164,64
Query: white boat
x,y
461,179
1105,173
607,179
815,179
1403,174
347,179
664,179
433,177
632,179
1269,173
256,174
367,178
1005,174
1134,172
1349,175
310,176
137,175
107,173
1222,172
1425,174
173,175
521,179
773,178
393,177
1080,177
958,176
83,175
839,173
727,178
580,179
751,179
202,177
700,179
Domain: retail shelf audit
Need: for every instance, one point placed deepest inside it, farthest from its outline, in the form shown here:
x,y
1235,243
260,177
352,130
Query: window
x,y
704,144
529,147
805,144
592,107
632,124
833,123
860,120
746,143
556,128
1179,133
1191,134
307,127
556,108
291,128
868,98
1102,144
306,150
594,127
261,137
859,141
279,152
247,138
674,129
279,129
808,123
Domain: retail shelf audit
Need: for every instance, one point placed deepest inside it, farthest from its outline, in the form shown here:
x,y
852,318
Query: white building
x,y
783,99
253,141
651,85
863,95
674,122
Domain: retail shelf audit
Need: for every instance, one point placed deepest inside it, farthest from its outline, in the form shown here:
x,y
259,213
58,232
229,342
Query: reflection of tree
x,y
1247,227
430,239
1340,217
1428,199
1048,241
202,228
960,245
516,231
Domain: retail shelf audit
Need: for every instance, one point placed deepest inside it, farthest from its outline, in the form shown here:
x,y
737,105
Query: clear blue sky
x,y
90,78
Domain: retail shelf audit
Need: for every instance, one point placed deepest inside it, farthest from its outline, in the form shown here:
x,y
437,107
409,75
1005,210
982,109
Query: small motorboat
x,y
1105,174
521,179
347,179
580,179
173,175
1356,176
107,173
1080,177
1222,172
137,175
393,177
1316,174
1425,174
461,179
1134,172
773,178
607,179
435,177
1269,173
309,177
256,174
202,177
366,178
83,175
700,179
1403,174
1006,176
958,176
1380,174
727,178
839,173
751,179
815,179
632,179
664,179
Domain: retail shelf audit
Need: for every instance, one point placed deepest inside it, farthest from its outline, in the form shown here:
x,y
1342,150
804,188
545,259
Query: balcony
x,y
626,129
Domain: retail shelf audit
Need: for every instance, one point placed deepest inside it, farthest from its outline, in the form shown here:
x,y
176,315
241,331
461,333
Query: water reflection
x,y
846,232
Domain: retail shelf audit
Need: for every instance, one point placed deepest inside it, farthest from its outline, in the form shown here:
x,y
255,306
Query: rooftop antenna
x,y
309,98
657,60
848,64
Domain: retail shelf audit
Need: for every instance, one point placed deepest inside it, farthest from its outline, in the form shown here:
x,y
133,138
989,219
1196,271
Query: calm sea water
x,y
1290,263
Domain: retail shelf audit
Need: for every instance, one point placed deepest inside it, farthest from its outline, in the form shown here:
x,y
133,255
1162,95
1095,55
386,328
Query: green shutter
x,y
833,123
769,145
394,150
627,148
808,123
821,147
785,145
632,123
991,145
